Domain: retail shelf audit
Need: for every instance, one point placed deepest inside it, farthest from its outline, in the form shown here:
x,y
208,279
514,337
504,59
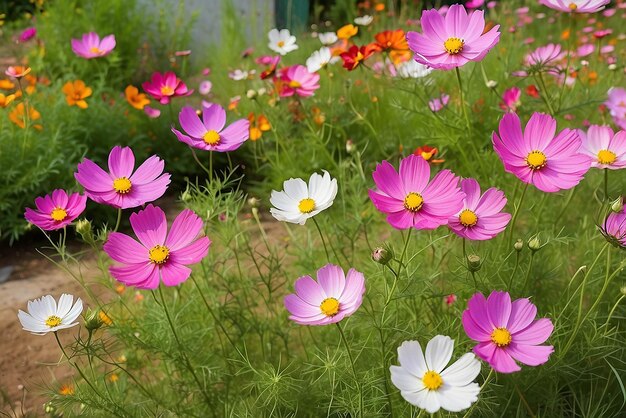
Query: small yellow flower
x,y
347,31
76,92
6,100
114,377
66,390
6,84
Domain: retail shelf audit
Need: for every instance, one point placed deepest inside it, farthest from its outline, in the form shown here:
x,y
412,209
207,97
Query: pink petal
x,y
121,162
184,230
173,273
150,226
122,248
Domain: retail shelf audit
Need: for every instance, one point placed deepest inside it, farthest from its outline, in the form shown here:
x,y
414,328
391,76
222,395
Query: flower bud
x,y
253,202
350,147
382,255
618,205
534,244
93,321
623,290
251,94
83,227
185,196
519,245
473,263
491,84
612,67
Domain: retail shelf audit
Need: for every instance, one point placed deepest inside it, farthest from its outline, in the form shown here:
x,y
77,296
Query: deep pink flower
x,y
27,34
606,148
120,187
333,297
56,210
210,133
507,331
452,41
481,217
616,104
90,45
544,56
576,6
536,156
410,200
599,34
511,99
298,80
614,229
158,254
164,87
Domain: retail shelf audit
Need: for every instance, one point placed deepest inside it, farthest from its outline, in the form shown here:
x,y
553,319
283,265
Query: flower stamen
x,y
501,337
413,202
53,321
606,157
468,218
432,380
454,45
122,185
159,254
536,160
306,205
58,214
211,138
330,307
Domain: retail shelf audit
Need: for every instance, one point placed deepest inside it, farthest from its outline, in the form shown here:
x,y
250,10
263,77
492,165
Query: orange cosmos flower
x,y
6,100
120,288
17,71
76,92
347,31
394,42
6,84
427,153
17,116
66,390
136,99
258,125
379,7
318,116
106,319
114,377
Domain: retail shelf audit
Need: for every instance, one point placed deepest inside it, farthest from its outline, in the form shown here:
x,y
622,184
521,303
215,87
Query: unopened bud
x,y
491,84
612,67
519,245
473,263
623,290
350,146
618,205
382,255
83,227
93,321
185,196
253,202
251,94
534,244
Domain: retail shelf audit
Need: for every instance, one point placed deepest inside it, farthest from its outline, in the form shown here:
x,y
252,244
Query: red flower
x,y
428,153
532,91
355,55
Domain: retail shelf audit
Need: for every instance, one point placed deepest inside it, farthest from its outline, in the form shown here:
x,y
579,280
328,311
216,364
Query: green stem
x,y
119,220
319,230
608,319
606,185
530,267
356,376
516,212
195,157
509,288
211,166
544,96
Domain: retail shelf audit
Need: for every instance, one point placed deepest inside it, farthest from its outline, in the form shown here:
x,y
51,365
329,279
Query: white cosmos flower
x,y
363,20
426,382
328,38
44,315
299,202
318,60
282,41
413,69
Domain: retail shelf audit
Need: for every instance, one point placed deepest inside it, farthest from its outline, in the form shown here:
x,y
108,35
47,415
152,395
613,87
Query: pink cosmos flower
x,y
507,331
607,149
438,103
616,104
90,46
544,56
27,34
152,112
410,200
585,50
480,219
209,134
333,297
164,87
614,229
158,255
536,156
576,6
56,210
298,80
120,187
511,99
452,41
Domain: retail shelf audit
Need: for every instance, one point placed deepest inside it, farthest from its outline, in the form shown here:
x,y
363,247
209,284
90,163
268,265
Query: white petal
x,y
439,352
415,398
431,401
411,358
74,313
29,323
455,399
296,189
65,304
463,371
281,201
405,380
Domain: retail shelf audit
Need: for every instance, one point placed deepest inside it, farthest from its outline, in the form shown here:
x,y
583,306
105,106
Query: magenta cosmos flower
x,y
410,200
331,298
481,217
27,34
507,331
576,6
606,148
298,80
210,133
158,254
121,187
56,210
614,229
90,45
164,87
452,41
536,156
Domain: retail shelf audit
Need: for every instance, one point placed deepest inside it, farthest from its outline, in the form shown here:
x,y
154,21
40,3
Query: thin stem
x,y
487,379
356,377
514,270
119,220
608,319
516,212
211,166
530,267
460,83
606,184
322,237
212,313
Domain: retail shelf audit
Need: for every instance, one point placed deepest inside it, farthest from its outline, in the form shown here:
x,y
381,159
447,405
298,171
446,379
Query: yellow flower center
x,y
211,137
294,84
122,185
330,306
167,91
536,160
306,205
413,202
159,254
432,380
573,6
96,50
281,44
53,321
501,337
606,157
453,45
468,218
58,214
